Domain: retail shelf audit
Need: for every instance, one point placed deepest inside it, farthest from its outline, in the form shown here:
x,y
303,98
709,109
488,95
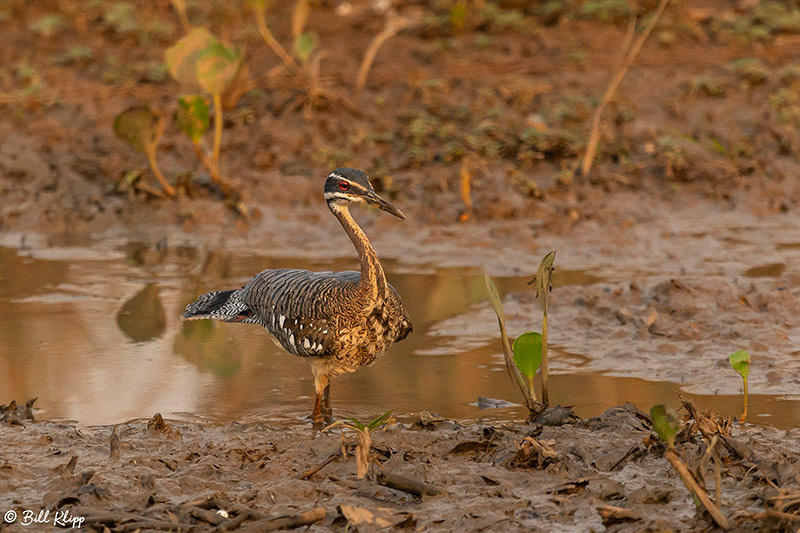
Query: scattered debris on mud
x,y
428,473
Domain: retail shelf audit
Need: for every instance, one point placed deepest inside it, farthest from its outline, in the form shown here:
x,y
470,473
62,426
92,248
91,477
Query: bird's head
x,y
347,185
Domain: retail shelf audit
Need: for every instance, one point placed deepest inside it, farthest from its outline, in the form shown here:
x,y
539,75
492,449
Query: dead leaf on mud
x,y
614,515
429,420
358,516
159,425
407,484
534,453
14,415
470,446
707,423
556,416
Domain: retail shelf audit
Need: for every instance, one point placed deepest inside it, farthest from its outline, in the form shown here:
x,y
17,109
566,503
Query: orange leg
x,y
322,406
327,410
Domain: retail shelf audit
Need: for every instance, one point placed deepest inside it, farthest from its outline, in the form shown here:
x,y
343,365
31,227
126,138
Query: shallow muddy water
x,y
92,328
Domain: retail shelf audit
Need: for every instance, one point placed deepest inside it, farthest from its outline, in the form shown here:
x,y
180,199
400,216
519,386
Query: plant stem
x,y
545,394
272,42
630,56
393,25
696,489
217,127
744,412
513,371
213,171
151,159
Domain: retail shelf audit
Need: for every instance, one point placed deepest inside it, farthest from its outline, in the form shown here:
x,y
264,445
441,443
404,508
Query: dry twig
x,y
630,56
394,23
698,490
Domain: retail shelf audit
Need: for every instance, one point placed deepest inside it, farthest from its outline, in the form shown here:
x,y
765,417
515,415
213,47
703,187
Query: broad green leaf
x,y
528,353
192,116
665,423
304,45
543,279
181,59
740,361
494,297
380,420
141,127
216,67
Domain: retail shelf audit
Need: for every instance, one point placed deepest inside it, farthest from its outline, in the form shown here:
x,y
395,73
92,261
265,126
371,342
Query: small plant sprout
x,y
304,46
740,361
181,58
665,424
544,285
514,373
528,354
217,67
199,59
364,438
141,127
192,117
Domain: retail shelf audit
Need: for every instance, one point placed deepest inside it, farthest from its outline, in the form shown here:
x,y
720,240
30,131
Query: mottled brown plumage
x,y
341,321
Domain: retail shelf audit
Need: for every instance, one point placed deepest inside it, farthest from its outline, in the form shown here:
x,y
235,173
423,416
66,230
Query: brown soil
x,y
606,473
706,118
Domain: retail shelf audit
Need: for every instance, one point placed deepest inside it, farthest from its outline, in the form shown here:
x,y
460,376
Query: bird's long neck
x,y
373,280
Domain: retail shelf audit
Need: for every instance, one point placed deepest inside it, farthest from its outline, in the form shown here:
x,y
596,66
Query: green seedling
x,y
304,46
544,285
200,60
364,438
528,354
181,58
192,117
141,127
217,66
740,361
514,373
665,424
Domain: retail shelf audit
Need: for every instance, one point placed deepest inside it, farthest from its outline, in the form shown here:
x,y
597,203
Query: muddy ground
x,y
601,474
494,95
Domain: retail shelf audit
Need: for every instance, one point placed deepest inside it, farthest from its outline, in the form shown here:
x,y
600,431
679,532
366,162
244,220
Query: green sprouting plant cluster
x,y
529,352
199,61
363,431
740,362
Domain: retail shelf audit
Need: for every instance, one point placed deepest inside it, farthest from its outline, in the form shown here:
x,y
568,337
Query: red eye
x,y
343,185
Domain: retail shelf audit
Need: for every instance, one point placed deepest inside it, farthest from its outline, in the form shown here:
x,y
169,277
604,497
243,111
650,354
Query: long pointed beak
x,y
374,199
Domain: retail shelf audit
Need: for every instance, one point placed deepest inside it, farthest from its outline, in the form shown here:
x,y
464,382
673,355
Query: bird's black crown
x,y
352,175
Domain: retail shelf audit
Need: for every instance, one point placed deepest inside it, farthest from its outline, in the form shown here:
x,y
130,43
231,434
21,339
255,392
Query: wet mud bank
x,y
607,473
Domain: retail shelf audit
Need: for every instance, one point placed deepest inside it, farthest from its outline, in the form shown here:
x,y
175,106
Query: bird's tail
x,y
226,306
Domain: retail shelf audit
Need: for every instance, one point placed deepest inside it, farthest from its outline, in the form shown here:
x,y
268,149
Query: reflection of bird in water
x,y
339,320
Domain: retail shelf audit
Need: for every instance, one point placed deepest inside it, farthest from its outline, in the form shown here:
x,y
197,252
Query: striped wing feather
x,y
300,308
